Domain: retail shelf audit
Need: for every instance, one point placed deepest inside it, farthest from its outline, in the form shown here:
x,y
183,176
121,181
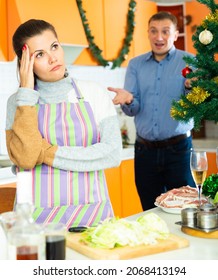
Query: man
x,y
153,80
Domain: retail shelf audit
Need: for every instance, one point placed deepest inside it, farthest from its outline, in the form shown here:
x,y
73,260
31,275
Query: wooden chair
x,y
7,197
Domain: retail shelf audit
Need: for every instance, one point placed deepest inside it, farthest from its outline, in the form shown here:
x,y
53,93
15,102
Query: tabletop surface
x,y
199,249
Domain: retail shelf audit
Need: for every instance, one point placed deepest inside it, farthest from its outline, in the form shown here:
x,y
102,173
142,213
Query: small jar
x,y
55,235
207,220
189,217
208,207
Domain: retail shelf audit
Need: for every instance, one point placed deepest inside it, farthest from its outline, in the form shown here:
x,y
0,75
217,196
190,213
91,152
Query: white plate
x,y
169,210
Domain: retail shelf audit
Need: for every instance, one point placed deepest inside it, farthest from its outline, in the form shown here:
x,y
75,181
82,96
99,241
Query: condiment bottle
x,y
7,220
26,240
189,217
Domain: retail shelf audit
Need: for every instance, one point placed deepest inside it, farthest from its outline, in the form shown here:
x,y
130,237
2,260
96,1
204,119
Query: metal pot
x,y
207,220
189,217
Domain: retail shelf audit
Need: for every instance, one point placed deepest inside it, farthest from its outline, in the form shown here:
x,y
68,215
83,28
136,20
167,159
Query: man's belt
x,y
163,143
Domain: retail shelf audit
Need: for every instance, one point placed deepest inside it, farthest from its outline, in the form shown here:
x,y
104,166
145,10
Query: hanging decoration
x,y
205,37
96,51
201,102
186,71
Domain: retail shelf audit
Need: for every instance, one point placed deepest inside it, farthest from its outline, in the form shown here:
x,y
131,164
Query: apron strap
x,y
78,93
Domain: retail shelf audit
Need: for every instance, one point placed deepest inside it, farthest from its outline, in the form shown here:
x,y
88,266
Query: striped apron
x,y
69,197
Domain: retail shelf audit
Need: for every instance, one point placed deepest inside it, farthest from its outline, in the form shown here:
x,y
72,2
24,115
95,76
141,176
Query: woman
x,y
65,131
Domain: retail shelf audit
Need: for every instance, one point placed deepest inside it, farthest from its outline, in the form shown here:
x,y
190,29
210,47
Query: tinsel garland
x,y
96,51
201,103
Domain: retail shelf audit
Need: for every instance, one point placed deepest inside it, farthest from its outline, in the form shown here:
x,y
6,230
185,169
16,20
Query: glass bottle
x,y
7,220
26,240
3,244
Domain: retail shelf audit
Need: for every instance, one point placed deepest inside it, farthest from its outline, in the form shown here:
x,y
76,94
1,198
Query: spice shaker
x,y
208,207
189,217
207,220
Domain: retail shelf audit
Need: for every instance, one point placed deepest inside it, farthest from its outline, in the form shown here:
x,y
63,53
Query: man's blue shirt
x,y
154,86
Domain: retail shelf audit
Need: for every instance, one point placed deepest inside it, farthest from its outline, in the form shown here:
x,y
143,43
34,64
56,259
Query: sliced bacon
x,y
179,197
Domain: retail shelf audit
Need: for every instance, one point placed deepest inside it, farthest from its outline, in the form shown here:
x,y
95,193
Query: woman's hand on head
x,y
26,68
122,96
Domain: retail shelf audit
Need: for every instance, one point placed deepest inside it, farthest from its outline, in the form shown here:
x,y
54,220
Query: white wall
x,y
8,85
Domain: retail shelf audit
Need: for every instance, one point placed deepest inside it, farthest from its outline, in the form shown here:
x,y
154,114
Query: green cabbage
x,y
153,223
117,232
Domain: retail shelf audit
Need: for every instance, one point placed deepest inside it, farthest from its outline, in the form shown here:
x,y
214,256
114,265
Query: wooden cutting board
x,y
123,253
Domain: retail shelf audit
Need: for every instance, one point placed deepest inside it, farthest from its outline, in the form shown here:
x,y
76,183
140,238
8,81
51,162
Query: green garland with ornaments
x,y
201,102
96,51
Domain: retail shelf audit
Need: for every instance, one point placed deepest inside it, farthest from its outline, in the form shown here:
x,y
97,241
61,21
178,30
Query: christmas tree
x,y
201,102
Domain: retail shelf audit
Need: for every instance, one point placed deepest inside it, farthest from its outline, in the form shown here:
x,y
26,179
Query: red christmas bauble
x,y
186,71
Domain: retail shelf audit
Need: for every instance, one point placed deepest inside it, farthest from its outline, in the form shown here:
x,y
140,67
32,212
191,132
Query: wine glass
x,y
199,166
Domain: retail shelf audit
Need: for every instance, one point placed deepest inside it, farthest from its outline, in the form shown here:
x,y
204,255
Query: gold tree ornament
x,y
175,113
181,112
197,95
216,79
212,17
206,37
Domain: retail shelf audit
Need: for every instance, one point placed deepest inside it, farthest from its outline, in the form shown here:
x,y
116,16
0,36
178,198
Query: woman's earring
x,y
66,73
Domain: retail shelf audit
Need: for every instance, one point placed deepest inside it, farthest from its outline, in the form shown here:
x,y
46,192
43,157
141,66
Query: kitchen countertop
x,y
199,248
6,176
208,145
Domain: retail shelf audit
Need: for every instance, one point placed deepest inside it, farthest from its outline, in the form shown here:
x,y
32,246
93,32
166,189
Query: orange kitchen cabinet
x,y
115,23
196,20
114,189
144,10
3,31
7,197
122,189
130,200
212,168
64,16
